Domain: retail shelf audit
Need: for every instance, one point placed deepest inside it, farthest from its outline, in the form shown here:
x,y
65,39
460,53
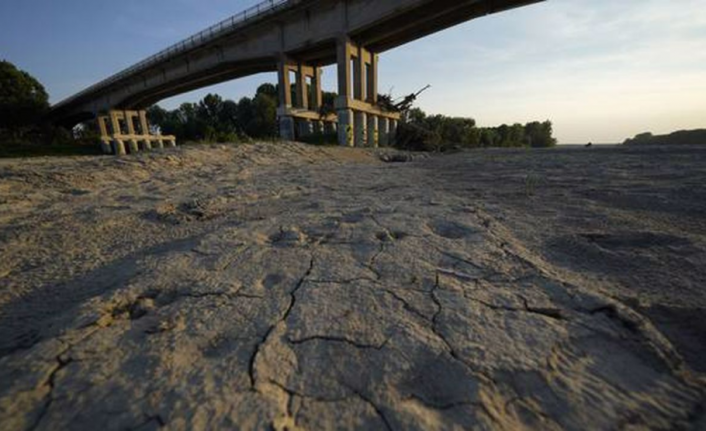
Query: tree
x,y
488,138
264,123
23,100
539,135
215,119
267,89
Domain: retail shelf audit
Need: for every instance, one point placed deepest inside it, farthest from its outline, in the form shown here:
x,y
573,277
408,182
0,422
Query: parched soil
x,y
283,286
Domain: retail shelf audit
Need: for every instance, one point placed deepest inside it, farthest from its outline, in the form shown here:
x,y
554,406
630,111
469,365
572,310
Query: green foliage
x,y
23,101
216,120
539,135
420,132
24,132
682,137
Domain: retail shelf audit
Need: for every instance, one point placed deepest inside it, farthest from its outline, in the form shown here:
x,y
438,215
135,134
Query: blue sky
x,y
601,70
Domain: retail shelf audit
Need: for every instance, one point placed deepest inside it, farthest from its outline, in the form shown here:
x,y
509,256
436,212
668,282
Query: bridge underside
x,y
297,42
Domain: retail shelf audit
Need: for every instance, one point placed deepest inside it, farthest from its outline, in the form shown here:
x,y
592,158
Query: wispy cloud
x,y
623,66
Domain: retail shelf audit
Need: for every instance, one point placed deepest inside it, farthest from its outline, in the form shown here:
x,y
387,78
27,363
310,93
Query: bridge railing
x,y
258,11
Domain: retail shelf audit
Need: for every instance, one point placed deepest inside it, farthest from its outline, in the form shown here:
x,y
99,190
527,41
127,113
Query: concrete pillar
x,y
304,127
383,132
372,131
286,121
360,128
344,54
286,127
285,92
118,147
145,130
115,122
392,134
302,91
129,117
359,75
118,143
345,127
318,93
134,148
372,94
345,115
329,127
318,127
105,136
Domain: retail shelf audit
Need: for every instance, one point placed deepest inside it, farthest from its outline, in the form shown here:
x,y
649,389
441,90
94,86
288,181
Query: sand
x,y
286,286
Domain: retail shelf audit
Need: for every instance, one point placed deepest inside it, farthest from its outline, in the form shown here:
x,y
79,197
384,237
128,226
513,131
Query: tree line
x,y
24,104
214,119
681,137
421,132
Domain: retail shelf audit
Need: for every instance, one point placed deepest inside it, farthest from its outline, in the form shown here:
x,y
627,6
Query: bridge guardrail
x,y
260,10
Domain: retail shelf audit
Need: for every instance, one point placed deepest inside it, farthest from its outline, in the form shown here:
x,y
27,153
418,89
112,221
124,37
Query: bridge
x,y
294,38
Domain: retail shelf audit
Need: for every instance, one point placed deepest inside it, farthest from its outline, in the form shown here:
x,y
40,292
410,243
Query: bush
x,y
439,133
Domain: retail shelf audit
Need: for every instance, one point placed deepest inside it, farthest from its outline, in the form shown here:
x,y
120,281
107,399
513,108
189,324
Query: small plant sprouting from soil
x,y
532,182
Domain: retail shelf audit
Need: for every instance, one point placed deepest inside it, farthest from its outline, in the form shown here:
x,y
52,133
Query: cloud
x,y
620,66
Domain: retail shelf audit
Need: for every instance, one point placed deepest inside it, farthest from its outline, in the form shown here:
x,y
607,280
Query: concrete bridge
x,y
296,38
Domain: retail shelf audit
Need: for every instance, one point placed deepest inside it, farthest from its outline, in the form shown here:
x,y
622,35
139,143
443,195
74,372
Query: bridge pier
x,y
299,116
357,101
384,130
284,117
361,128
373,131
114,135
345,127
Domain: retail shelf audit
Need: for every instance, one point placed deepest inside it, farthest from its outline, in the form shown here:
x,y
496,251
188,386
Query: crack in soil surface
x,y
285,286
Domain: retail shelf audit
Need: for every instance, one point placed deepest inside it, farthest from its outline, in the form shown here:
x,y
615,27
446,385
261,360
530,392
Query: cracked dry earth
x,y
281,286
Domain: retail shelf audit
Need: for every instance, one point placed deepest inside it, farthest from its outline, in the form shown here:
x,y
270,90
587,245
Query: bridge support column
x,y
113,138
372,72
329,127
286,127
130,116
318,98
145,129
118,144
119,147
361,127
318,127
392,134
284,119
302,89
345,127
344,53
105,140
372,131
358,94
384,130
305,128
